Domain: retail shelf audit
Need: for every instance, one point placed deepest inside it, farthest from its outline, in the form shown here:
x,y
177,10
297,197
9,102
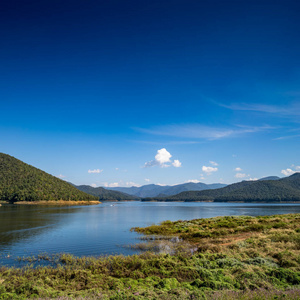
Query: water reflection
x,y
98,230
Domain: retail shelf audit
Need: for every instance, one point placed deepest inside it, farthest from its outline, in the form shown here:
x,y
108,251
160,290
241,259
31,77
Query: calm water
x,y
102,229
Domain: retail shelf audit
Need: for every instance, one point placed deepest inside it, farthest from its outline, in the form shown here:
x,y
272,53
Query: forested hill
x,y
285,189
104,194
22,182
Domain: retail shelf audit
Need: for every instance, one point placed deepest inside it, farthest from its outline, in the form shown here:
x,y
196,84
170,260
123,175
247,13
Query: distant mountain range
x,y
104,194
154,190
265,190
22,182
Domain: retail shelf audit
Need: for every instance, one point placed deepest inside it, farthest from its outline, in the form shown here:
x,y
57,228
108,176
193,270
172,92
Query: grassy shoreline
x,y
55,202
233,258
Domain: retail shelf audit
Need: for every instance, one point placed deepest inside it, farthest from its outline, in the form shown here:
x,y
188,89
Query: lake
x,y
102,229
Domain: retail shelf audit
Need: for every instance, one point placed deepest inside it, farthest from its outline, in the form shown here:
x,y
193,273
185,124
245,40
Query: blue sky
x,y
135,92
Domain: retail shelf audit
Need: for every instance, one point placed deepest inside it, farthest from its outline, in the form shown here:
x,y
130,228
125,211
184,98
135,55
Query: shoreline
x,y
57,202
219,258
213,201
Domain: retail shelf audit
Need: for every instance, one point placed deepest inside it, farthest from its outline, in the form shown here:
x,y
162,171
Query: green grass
x,y
235,258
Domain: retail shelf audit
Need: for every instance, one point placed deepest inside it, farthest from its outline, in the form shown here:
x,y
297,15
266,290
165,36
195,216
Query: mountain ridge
x,y
105,194
284,189
153,190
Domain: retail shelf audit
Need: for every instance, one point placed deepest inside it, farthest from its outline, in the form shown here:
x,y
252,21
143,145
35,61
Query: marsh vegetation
x,y
233,257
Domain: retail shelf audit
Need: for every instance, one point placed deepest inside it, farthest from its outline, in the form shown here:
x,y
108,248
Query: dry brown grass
x,y
57,202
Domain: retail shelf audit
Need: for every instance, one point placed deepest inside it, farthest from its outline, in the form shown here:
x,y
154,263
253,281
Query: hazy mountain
x,y
104,194
22,182
143,191
153,190
270,178
285,189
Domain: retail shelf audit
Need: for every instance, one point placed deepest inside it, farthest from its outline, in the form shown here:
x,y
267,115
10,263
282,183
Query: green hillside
x,y
22,182
285,189
104,194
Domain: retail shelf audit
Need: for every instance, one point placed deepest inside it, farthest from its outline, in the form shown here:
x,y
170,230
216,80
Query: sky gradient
x,y
121,93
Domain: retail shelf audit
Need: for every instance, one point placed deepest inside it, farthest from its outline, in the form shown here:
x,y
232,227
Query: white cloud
x,y
253,179
193,181
209,170
113,184
120,184
176,163
162,158
238,169
131,183
94,185
60,176
288,172
213,163
95,171
116,169
147,180
241,175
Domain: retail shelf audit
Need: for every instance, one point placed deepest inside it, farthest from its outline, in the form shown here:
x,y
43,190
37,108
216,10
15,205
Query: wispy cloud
x,y
113,184
284,110
95,171
164,142
60,176
198,131
241,175
120,184
131,183
287,137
